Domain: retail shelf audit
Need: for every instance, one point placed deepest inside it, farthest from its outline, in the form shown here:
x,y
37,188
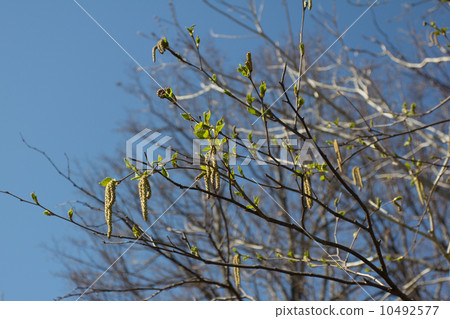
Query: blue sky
x,y
58,75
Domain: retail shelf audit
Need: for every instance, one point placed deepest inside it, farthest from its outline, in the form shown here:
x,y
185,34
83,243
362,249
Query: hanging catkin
x,y
145,192
208,174
215,176
338,154
357,180
419,188
308,191
110,198
236,272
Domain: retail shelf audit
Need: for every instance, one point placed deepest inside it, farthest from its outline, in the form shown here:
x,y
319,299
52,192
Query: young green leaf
x,y
34,197
239,194
187,116
129,165
70,213
250,99
378,202
194,251
413,109
219,126
164,172
105,181
197,41
300,101
191,30
253,111
202,134
136,232
242,69
262,89
207,116
249,63
260,257
174,160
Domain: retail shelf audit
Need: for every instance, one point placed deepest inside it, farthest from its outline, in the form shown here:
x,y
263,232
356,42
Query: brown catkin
x,y
248,63
217,177
212,159
110,198
214,170
154,53
209,173
338,154
199,176
145,192
357,180
161,46
419,188
207,187
308,191
236,270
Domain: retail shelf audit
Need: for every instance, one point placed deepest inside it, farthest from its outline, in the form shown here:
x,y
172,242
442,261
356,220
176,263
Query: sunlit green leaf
x,y
70,213
191,30
174,160
47,213
253,111
34,197
207,116
164,172
187,116
260,257
262,89
219,125
105,181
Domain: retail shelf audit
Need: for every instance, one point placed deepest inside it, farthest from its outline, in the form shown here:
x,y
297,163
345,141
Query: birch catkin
x,y
357,180
308,191
236,270
338,154
161,46
208,174
145,192
110,198
212,159
419,188
215,176
212,175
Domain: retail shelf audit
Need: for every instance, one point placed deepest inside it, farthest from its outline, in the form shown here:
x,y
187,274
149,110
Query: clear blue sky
x,y
58,75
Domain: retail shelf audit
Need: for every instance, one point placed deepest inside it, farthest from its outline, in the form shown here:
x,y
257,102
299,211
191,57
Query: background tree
x,y
364,217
